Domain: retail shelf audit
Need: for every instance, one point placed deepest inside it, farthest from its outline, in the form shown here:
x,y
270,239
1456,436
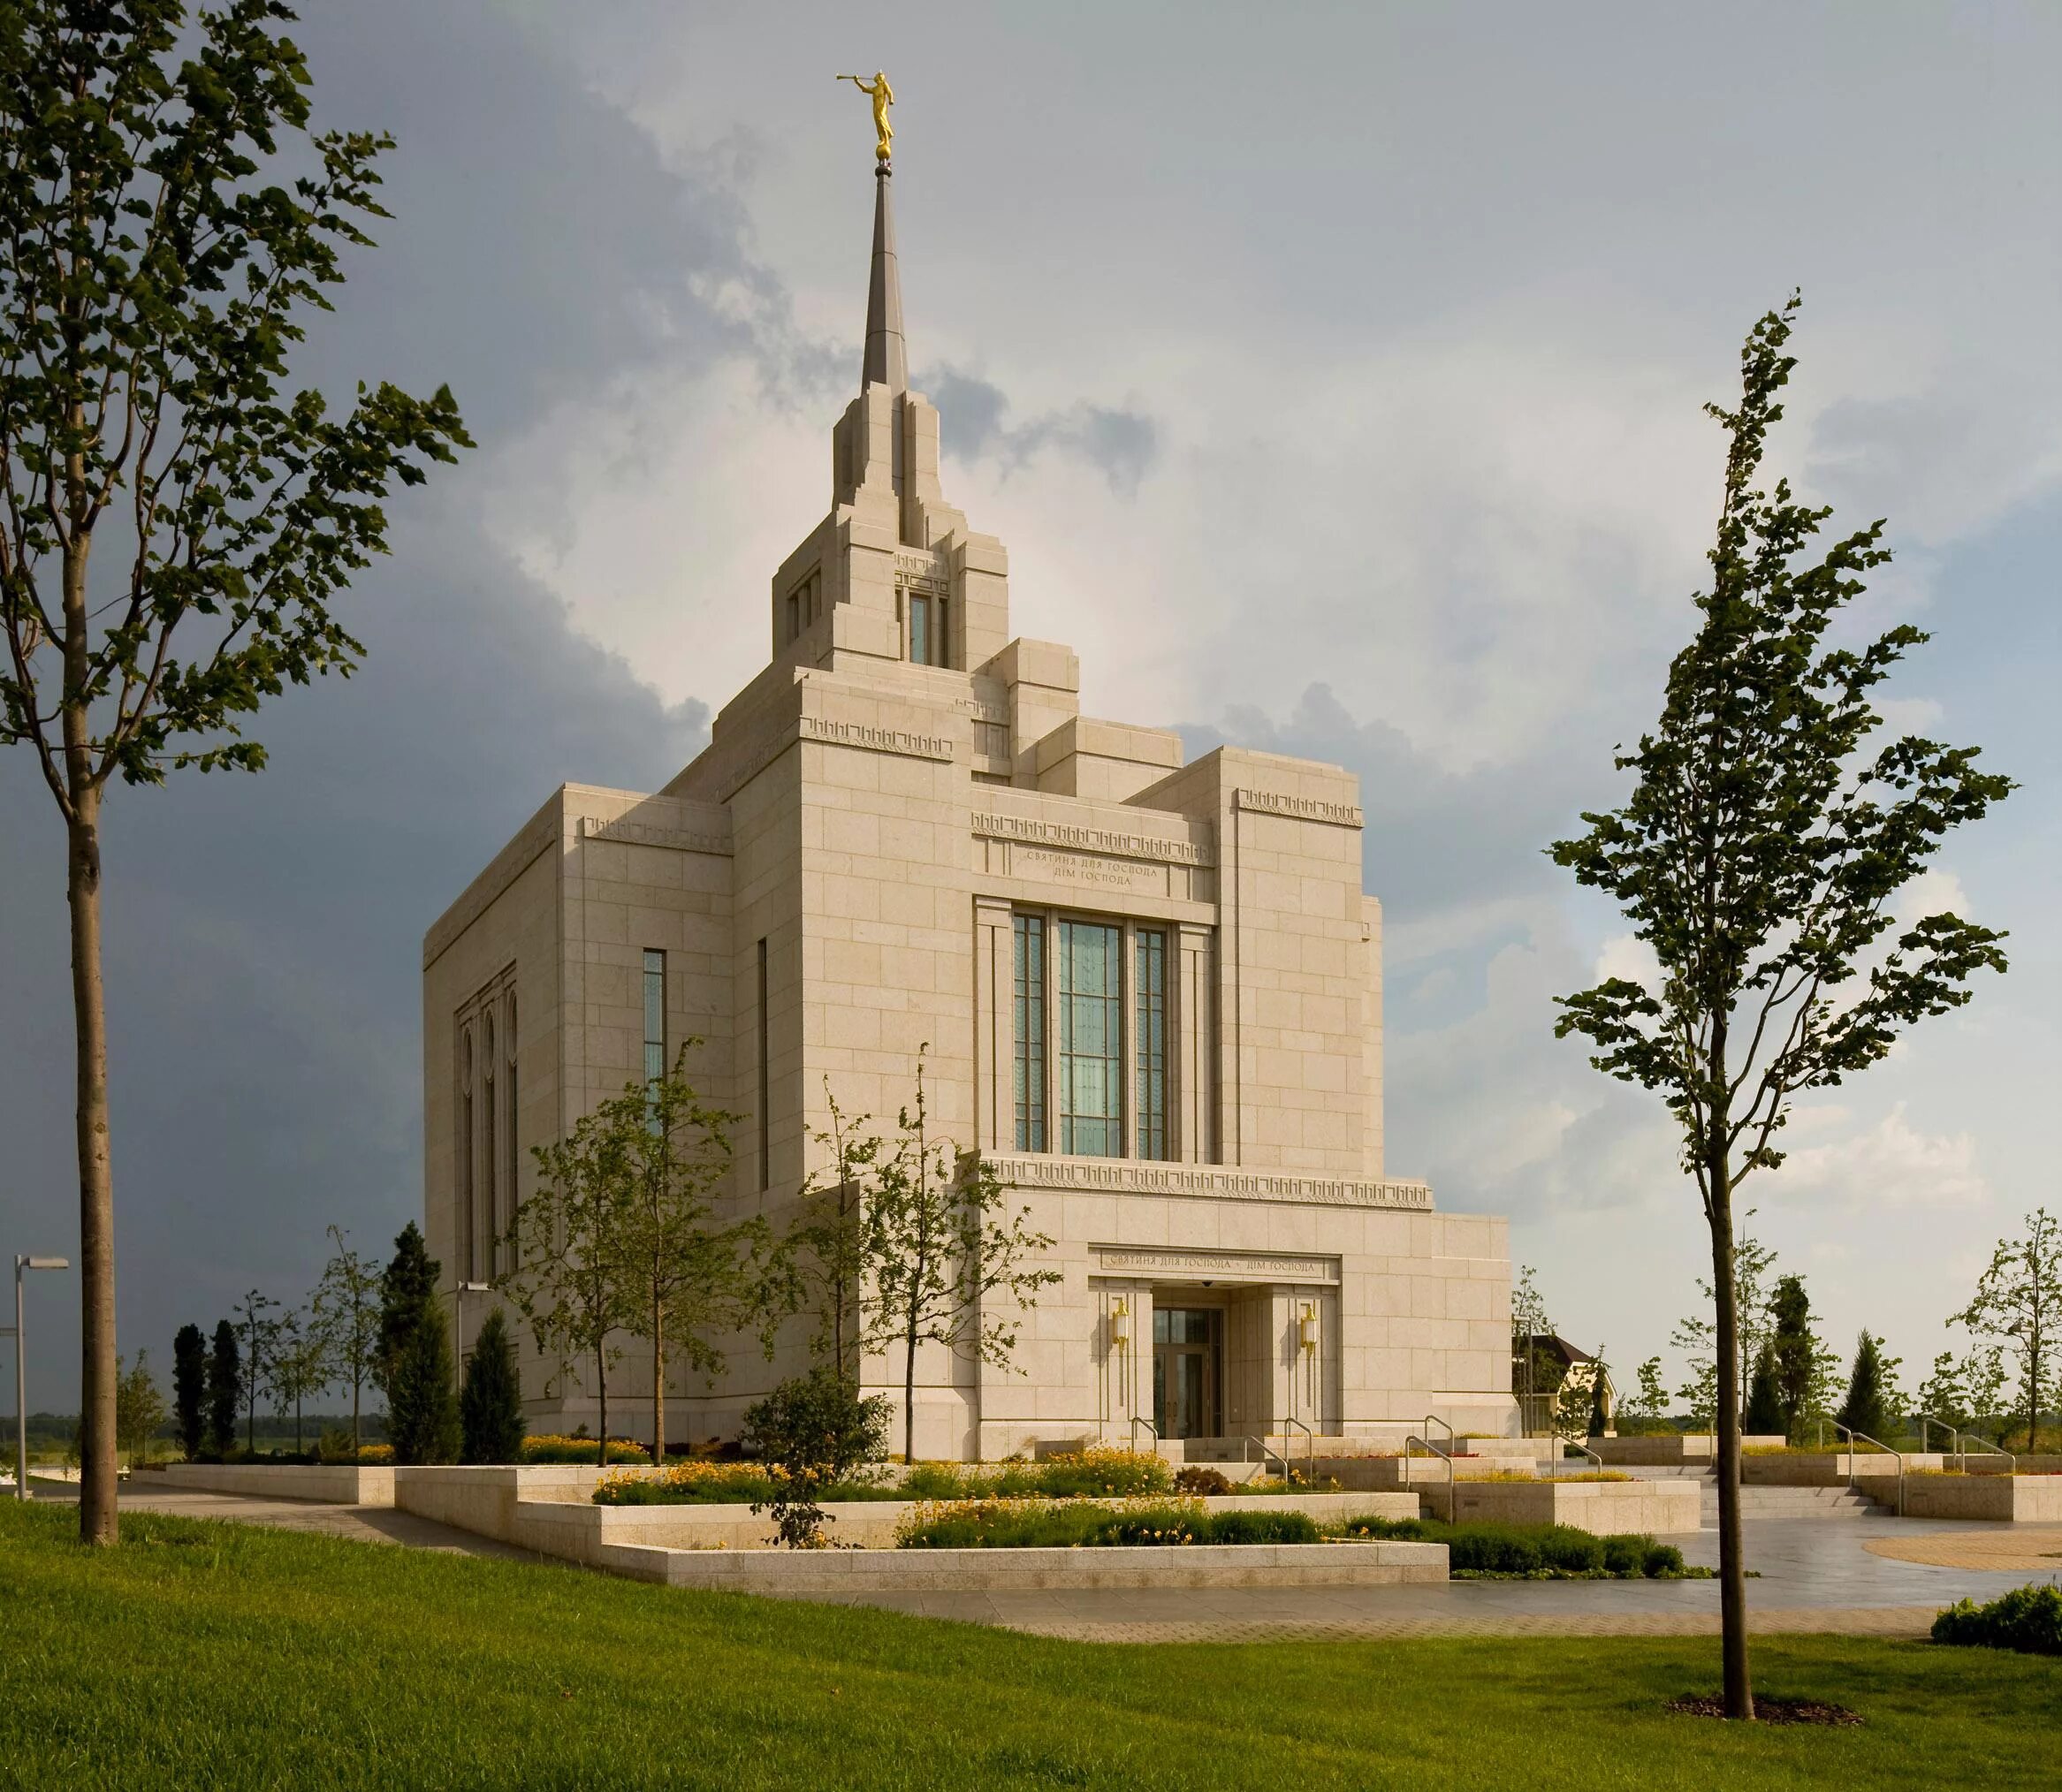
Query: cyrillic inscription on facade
x,y
1087,873
1217,1265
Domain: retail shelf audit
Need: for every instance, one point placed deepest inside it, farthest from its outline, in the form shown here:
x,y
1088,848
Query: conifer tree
x,y
189,1389
1866,1408
1764,1415
421,1406
408,1287
489,1408
1797,1348
224,1390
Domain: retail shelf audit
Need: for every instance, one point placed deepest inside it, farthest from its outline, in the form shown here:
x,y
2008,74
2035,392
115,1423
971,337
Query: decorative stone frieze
x,y
1135,1176
1341,815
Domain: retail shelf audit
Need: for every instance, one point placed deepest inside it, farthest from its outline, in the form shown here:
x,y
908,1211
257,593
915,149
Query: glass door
x,y
1186,1357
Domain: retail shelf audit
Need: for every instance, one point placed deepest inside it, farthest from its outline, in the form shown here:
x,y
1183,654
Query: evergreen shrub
x,y
2028,1619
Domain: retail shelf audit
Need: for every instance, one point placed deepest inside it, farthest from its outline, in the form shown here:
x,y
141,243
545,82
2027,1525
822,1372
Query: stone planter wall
x,y
1664,1452
2004,1498
1602,1507
325,1484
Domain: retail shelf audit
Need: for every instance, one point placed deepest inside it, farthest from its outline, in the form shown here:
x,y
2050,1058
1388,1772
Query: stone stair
x,y
1771,1502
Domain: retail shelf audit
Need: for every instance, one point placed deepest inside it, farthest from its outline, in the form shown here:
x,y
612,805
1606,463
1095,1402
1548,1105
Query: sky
x,y
1333,377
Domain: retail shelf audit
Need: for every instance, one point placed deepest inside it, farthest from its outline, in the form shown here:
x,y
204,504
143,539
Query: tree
x,y
824,1253
300,1365
2018,1305
1696,1337
489,1406
1983,1375
224,1390
1796,1347
812,1431
946,1257
157,259
1652,1397
694,1280
414,1355
257,1334
1599,1396
139,1409
348,1314
1764,1414
1871,1397
189,1388
1756,856
1536,1372
567,1277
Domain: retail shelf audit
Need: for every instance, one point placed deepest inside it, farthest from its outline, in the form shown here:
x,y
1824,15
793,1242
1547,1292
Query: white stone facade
x,y
904,835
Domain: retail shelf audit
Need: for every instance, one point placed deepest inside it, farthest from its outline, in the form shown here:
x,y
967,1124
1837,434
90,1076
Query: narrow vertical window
x,y
1090,967
503,1221
1150,1033
794,614
919,629
765,1079
1028,1022
489,1151
465,1149
941,651
654,1019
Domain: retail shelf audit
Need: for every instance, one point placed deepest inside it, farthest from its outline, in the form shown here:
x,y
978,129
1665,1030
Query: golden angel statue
x,y
883,96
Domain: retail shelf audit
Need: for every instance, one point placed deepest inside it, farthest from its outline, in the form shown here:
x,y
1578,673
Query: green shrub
x,y
1493,1549
1087,1524
1523,1549
1087,1474
1625,1555
2028,1619
1264,1527
1572,1552
814,1431
1661,1560
1201,1482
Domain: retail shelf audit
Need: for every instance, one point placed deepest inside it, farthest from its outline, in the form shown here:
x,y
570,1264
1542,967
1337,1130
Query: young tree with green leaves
x,y
224,1390
1941,1395
138,1408
812,1431
695,1280
489,1406
567,1271
189,1388
347,1315
1652,1395
2018,1304
1757,854
168,219
255,1334
825,1255
947,1261
300,1366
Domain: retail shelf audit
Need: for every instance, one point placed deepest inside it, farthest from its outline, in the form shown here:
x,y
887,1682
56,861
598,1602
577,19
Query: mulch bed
x,y
1770,1711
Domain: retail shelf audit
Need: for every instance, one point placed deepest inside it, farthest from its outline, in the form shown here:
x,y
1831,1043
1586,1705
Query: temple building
x,y
1150,990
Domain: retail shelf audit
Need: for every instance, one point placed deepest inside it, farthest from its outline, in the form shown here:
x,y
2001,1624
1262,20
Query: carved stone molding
x,y
1341,815
636,833
1043,833
1213,1266
1133,1176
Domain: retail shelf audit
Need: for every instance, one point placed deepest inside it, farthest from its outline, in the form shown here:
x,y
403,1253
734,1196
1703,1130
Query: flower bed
x,y
1086,1524
582,1451
1085,1475
1527,1551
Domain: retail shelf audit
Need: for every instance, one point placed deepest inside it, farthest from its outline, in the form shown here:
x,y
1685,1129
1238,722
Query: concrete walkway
x,y
1885,1577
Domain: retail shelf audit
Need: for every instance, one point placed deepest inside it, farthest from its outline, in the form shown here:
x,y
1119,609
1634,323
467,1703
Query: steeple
x,y
886,362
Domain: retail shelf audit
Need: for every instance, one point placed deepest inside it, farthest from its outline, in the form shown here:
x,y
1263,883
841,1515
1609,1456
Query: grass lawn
x,y
206,1655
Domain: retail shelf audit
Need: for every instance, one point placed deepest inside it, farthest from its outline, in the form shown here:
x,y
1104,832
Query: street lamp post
x,y
22,1263
459,1290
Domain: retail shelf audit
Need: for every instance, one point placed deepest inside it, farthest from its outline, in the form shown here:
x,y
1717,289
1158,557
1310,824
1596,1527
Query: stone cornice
x,y
1084,839
1339,815
1209,1181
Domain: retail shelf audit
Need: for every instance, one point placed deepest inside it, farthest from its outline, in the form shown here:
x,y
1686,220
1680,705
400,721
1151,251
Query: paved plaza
x,y
1878,1577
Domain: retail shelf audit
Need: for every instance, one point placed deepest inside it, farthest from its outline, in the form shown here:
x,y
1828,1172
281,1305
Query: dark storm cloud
x,y
264,933
1120,444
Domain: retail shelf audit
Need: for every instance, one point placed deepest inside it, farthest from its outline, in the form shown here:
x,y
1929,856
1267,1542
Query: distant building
x,y
1151,990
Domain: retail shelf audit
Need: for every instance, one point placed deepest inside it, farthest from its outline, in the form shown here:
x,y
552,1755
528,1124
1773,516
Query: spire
x,y
886,363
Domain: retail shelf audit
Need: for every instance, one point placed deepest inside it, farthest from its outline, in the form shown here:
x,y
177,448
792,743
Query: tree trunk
x,y
909,1394
355,1445
658,1386
601,1386
97,1523
1732,1583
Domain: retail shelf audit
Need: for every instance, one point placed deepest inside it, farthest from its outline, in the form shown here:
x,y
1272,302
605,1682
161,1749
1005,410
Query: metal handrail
x,y
1136,1421
1854,1438
1433,1418
1310,1454
1445,1456
1962,1440
1586,1451
1267,1450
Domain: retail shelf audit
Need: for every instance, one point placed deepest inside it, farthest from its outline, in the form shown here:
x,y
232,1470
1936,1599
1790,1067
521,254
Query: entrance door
x,y
1187,1356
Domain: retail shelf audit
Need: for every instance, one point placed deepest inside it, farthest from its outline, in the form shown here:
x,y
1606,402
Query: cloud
x,y
1890,1164
1120,444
